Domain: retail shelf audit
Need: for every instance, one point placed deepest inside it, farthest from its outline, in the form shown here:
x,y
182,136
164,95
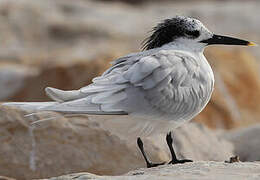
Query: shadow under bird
x,y
169,82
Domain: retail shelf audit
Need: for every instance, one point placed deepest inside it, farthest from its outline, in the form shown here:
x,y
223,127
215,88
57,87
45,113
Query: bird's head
x,y
187,33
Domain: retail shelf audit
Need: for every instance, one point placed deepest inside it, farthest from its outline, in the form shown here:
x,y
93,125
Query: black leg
x,y
174,158
148,163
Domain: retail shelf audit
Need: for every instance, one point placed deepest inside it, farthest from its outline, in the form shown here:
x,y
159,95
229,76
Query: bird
x,y
165,85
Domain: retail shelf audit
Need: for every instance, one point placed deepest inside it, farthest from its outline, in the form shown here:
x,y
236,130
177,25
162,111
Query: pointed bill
x,y
225,40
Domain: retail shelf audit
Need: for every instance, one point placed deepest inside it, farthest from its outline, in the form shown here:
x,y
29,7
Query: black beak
x,y
225,40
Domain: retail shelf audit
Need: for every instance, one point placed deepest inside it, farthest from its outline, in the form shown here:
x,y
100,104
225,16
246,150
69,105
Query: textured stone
x,y
196,170
246,142
64,144
59,146
6,178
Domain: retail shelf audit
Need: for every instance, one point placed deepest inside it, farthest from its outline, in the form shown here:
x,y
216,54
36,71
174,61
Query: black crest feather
x,y
168,30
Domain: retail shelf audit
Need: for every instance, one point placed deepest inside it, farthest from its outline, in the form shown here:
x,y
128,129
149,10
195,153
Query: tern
x,y
169,81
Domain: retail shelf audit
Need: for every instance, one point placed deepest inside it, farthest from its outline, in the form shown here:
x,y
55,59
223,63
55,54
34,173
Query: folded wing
x,y
159,84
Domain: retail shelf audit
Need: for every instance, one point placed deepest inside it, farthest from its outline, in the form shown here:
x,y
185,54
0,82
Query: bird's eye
x,y
195,33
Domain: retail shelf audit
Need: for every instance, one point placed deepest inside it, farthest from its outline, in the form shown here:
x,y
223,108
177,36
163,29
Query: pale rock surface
x,y
246,142
201,170
6,178
70,144
199,143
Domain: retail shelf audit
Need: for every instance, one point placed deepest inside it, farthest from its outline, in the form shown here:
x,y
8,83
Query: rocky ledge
x,y
196,170
78,143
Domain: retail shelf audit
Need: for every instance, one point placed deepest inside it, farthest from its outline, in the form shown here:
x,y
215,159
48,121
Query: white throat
x,y
185,45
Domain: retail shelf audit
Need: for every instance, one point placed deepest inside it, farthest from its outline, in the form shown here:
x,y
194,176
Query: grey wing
x,y
111,90
100,97
164,85
108,93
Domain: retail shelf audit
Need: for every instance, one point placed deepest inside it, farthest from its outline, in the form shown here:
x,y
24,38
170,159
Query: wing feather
x,y
141,69
95,88
155,85
108,97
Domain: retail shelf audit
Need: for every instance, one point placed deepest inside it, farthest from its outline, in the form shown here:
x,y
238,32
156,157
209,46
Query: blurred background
x,y
65,43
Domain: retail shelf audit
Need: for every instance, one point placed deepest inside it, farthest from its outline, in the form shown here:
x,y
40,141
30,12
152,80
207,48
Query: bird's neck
x,y
191,47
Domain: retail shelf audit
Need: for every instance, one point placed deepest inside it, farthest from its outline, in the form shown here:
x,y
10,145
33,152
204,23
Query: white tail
x,y
32,106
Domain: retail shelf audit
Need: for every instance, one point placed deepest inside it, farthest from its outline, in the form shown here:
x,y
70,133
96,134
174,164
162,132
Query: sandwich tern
x,y
170,81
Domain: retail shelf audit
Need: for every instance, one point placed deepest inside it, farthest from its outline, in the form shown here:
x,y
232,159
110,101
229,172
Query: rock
x,y
62,76
64,144
6,178
246,142
138,2
195,170
191,141
202,170
65,30
60,146
197,142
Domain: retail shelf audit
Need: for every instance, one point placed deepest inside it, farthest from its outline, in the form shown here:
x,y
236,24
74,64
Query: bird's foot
x,y
149,164
169,141
180,161
174,158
